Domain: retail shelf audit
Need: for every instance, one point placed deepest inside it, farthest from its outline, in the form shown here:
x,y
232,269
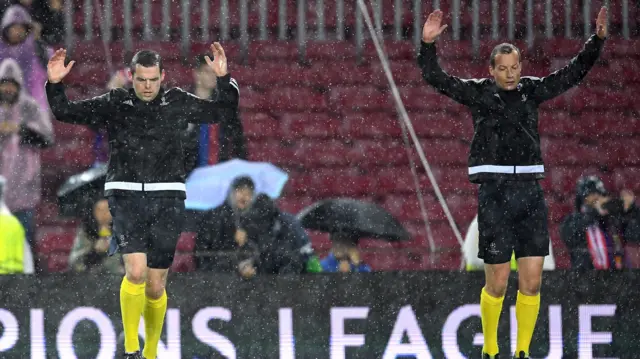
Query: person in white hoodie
x,y
15,252
470,251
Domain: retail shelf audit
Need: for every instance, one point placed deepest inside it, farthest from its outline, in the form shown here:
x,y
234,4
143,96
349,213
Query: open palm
x,y
219,62
433,27
601,23
56,69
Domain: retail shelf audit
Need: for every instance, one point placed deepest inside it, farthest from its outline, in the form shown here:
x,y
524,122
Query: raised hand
x,y
433,27
219,62
56,69
601,23
628,198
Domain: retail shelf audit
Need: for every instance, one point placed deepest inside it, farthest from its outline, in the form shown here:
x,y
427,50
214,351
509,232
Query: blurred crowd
x,y
25,120
248,234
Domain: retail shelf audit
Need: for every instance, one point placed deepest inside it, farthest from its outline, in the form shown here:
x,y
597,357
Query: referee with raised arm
x,y
145,181
506,161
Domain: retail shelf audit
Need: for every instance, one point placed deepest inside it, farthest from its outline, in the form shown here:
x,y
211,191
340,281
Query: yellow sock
x,y
131,306
527,308
154,311
490,309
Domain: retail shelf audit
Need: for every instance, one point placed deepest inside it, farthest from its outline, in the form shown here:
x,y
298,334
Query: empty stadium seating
x,y
333,126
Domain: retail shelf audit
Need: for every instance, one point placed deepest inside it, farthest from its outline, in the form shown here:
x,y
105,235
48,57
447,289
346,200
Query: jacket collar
x,y
495,89
155,102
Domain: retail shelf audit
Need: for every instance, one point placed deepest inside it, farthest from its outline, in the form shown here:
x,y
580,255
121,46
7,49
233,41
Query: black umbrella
x,y
81,191
357,219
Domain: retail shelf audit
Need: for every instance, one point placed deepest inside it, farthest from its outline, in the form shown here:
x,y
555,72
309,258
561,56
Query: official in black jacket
x,y
505,160
231,139
145,182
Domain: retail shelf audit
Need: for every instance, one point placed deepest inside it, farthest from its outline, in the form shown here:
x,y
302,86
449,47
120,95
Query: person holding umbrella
x,y
344,256
347,220
145,183
219,229
506,161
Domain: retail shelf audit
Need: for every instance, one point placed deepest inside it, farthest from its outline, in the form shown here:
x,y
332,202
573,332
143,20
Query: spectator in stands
x,y
595,233
50,17
232,143
470,251
235,228
344,256
219,228
89,253
15,254
24,130
276,241
28,4
31,54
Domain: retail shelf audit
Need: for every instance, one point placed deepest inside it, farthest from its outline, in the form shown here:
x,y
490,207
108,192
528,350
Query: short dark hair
x,y
243,182
200,61
504,48
146,58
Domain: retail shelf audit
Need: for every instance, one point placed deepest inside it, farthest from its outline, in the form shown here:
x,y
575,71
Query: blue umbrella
x,y
208,187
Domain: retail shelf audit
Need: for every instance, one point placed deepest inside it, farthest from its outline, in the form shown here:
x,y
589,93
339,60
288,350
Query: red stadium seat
x,y
442,124
70,155
253,100
295,126
360,98
55,240
88,71
259,125
378,153
68,132
299,185
627,178
186,242
270,73
371,125
322,74
296,99
319,153
270,151
331,184
320,240
294,205
56,263
183,263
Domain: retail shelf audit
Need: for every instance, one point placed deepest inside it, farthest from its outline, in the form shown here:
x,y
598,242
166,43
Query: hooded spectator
x,y
596,232
32,55
50,13
24,129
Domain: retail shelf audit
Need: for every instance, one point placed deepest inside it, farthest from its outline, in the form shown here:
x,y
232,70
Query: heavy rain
x,y
319,179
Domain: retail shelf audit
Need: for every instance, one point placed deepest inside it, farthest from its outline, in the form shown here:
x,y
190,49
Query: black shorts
x,y
512,217
150,225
